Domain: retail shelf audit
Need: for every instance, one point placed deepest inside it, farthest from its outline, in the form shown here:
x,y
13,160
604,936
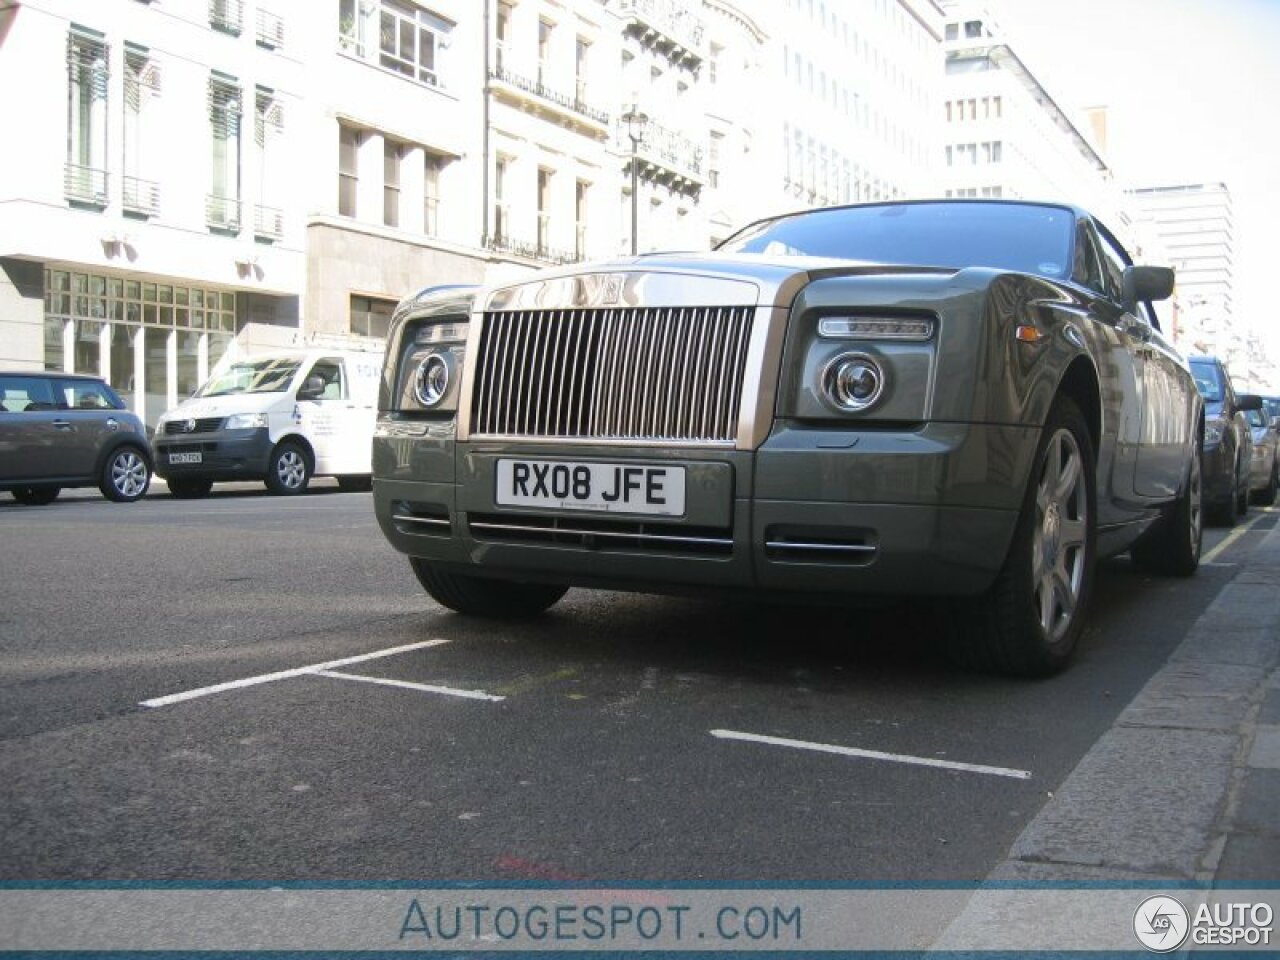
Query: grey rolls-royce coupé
x,y
969,400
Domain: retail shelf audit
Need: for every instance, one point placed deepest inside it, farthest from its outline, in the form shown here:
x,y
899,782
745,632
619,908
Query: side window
x,y
83,395
1085,269
329,369
26,395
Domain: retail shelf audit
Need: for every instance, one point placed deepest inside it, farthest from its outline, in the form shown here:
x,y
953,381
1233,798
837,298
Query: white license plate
x,y
606,487
185,457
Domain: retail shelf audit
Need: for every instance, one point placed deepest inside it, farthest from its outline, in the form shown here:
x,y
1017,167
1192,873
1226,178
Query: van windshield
x,y
252,376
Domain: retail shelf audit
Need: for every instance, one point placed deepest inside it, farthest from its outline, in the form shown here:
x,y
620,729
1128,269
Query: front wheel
x,y
1173,547
125,476
290,469
36,496
1029,621
1267,495
481,597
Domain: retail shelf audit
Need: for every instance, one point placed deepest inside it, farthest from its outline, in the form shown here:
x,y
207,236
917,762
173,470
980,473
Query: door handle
x,y
62,424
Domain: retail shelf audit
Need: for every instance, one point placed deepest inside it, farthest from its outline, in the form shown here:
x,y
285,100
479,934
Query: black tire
x,y
125,475
1223,512
35,496
355,484
1267,495
289,472
1172,547
1242,496
188,488
1029,621
481,597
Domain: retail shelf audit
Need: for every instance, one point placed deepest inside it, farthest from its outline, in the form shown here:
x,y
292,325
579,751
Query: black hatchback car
x,y
67,430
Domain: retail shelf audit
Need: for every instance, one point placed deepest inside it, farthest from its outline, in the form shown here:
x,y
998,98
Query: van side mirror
x,y
312,389
1145,283
1248,401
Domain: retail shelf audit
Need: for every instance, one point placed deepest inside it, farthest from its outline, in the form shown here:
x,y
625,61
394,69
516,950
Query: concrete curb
x,y
1182,787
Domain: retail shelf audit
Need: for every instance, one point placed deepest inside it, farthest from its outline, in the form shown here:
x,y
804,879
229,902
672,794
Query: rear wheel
x,y
125,476
1029,621
36,496
481,597
1174,546
290,469
188,488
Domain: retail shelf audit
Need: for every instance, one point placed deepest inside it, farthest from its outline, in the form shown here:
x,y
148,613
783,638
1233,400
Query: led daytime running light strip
x,y
875,328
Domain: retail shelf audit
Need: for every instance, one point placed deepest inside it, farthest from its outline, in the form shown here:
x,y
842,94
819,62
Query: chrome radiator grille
x,y
634,373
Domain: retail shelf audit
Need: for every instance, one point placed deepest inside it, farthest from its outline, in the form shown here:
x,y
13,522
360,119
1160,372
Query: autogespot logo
x,y
1161,924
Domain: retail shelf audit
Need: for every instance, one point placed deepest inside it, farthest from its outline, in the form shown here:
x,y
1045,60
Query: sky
x,y
1193,95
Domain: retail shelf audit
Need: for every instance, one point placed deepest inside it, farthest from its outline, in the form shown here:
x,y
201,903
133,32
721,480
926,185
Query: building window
x,y
223,206
348,151
713,159
87,73
227,15
431,194
140,195
544,210
580,219
410,40
501,214
391,183
371,316
713,64
268,124
545,29
580,71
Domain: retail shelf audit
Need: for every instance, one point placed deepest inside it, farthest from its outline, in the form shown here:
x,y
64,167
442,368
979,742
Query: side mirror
x,y
1249,401
313,389
1145,283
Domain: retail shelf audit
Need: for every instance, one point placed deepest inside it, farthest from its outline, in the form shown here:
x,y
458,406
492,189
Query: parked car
x,y
1228,441
280,417
67,430
1264,465
963,399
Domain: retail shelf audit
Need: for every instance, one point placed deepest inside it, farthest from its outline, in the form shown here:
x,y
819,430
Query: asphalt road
x,y
617,738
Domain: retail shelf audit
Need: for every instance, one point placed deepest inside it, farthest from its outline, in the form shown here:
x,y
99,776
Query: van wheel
x,y
1029,621
125,476
290,469
481,597
185,488
36,496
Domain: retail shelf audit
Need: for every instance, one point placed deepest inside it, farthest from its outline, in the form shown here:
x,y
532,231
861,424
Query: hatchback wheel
x,y
125,476
36,496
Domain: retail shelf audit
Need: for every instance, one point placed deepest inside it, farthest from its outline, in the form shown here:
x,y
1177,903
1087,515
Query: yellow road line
x,y
1233,536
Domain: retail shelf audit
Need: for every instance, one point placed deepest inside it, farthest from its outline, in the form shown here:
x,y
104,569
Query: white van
x,y
282,417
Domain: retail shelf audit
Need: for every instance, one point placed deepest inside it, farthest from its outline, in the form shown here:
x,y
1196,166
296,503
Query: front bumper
x,y
224,455
843,513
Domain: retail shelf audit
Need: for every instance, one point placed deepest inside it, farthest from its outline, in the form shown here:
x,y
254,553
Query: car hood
x,y
197,408
674,279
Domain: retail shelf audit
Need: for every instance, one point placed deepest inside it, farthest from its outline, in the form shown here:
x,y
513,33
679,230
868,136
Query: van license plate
x,y
185,457
603,487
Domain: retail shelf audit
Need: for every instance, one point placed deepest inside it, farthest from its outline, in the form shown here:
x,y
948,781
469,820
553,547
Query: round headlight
x,y
431,382
853,382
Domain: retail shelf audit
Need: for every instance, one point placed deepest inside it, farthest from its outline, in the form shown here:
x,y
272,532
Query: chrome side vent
x,y
421,519
827,546
636,373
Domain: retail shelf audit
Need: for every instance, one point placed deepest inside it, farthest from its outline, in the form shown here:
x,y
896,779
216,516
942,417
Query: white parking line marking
x,y
872,754
405,684
286,674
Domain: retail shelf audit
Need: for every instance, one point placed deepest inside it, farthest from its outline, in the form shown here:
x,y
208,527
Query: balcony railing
x,y
667,25
270,30
227,15
222,213
85,184
502,71
268,222
140,196
533,251
670,156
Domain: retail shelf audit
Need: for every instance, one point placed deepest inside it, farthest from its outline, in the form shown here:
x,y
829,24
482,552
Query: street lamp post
x,y
636,122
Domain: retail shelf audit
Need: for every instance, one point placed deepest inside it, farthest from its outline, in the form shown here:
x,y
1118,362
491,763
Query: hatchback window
x,y
1208,380
26,395
85,395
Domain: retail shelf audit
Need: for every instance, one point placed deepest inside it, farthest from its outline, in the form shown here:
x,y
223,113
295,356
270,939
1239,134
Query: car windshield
x,y
1208,380
1273,406
1029,238
1256,418
252,376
